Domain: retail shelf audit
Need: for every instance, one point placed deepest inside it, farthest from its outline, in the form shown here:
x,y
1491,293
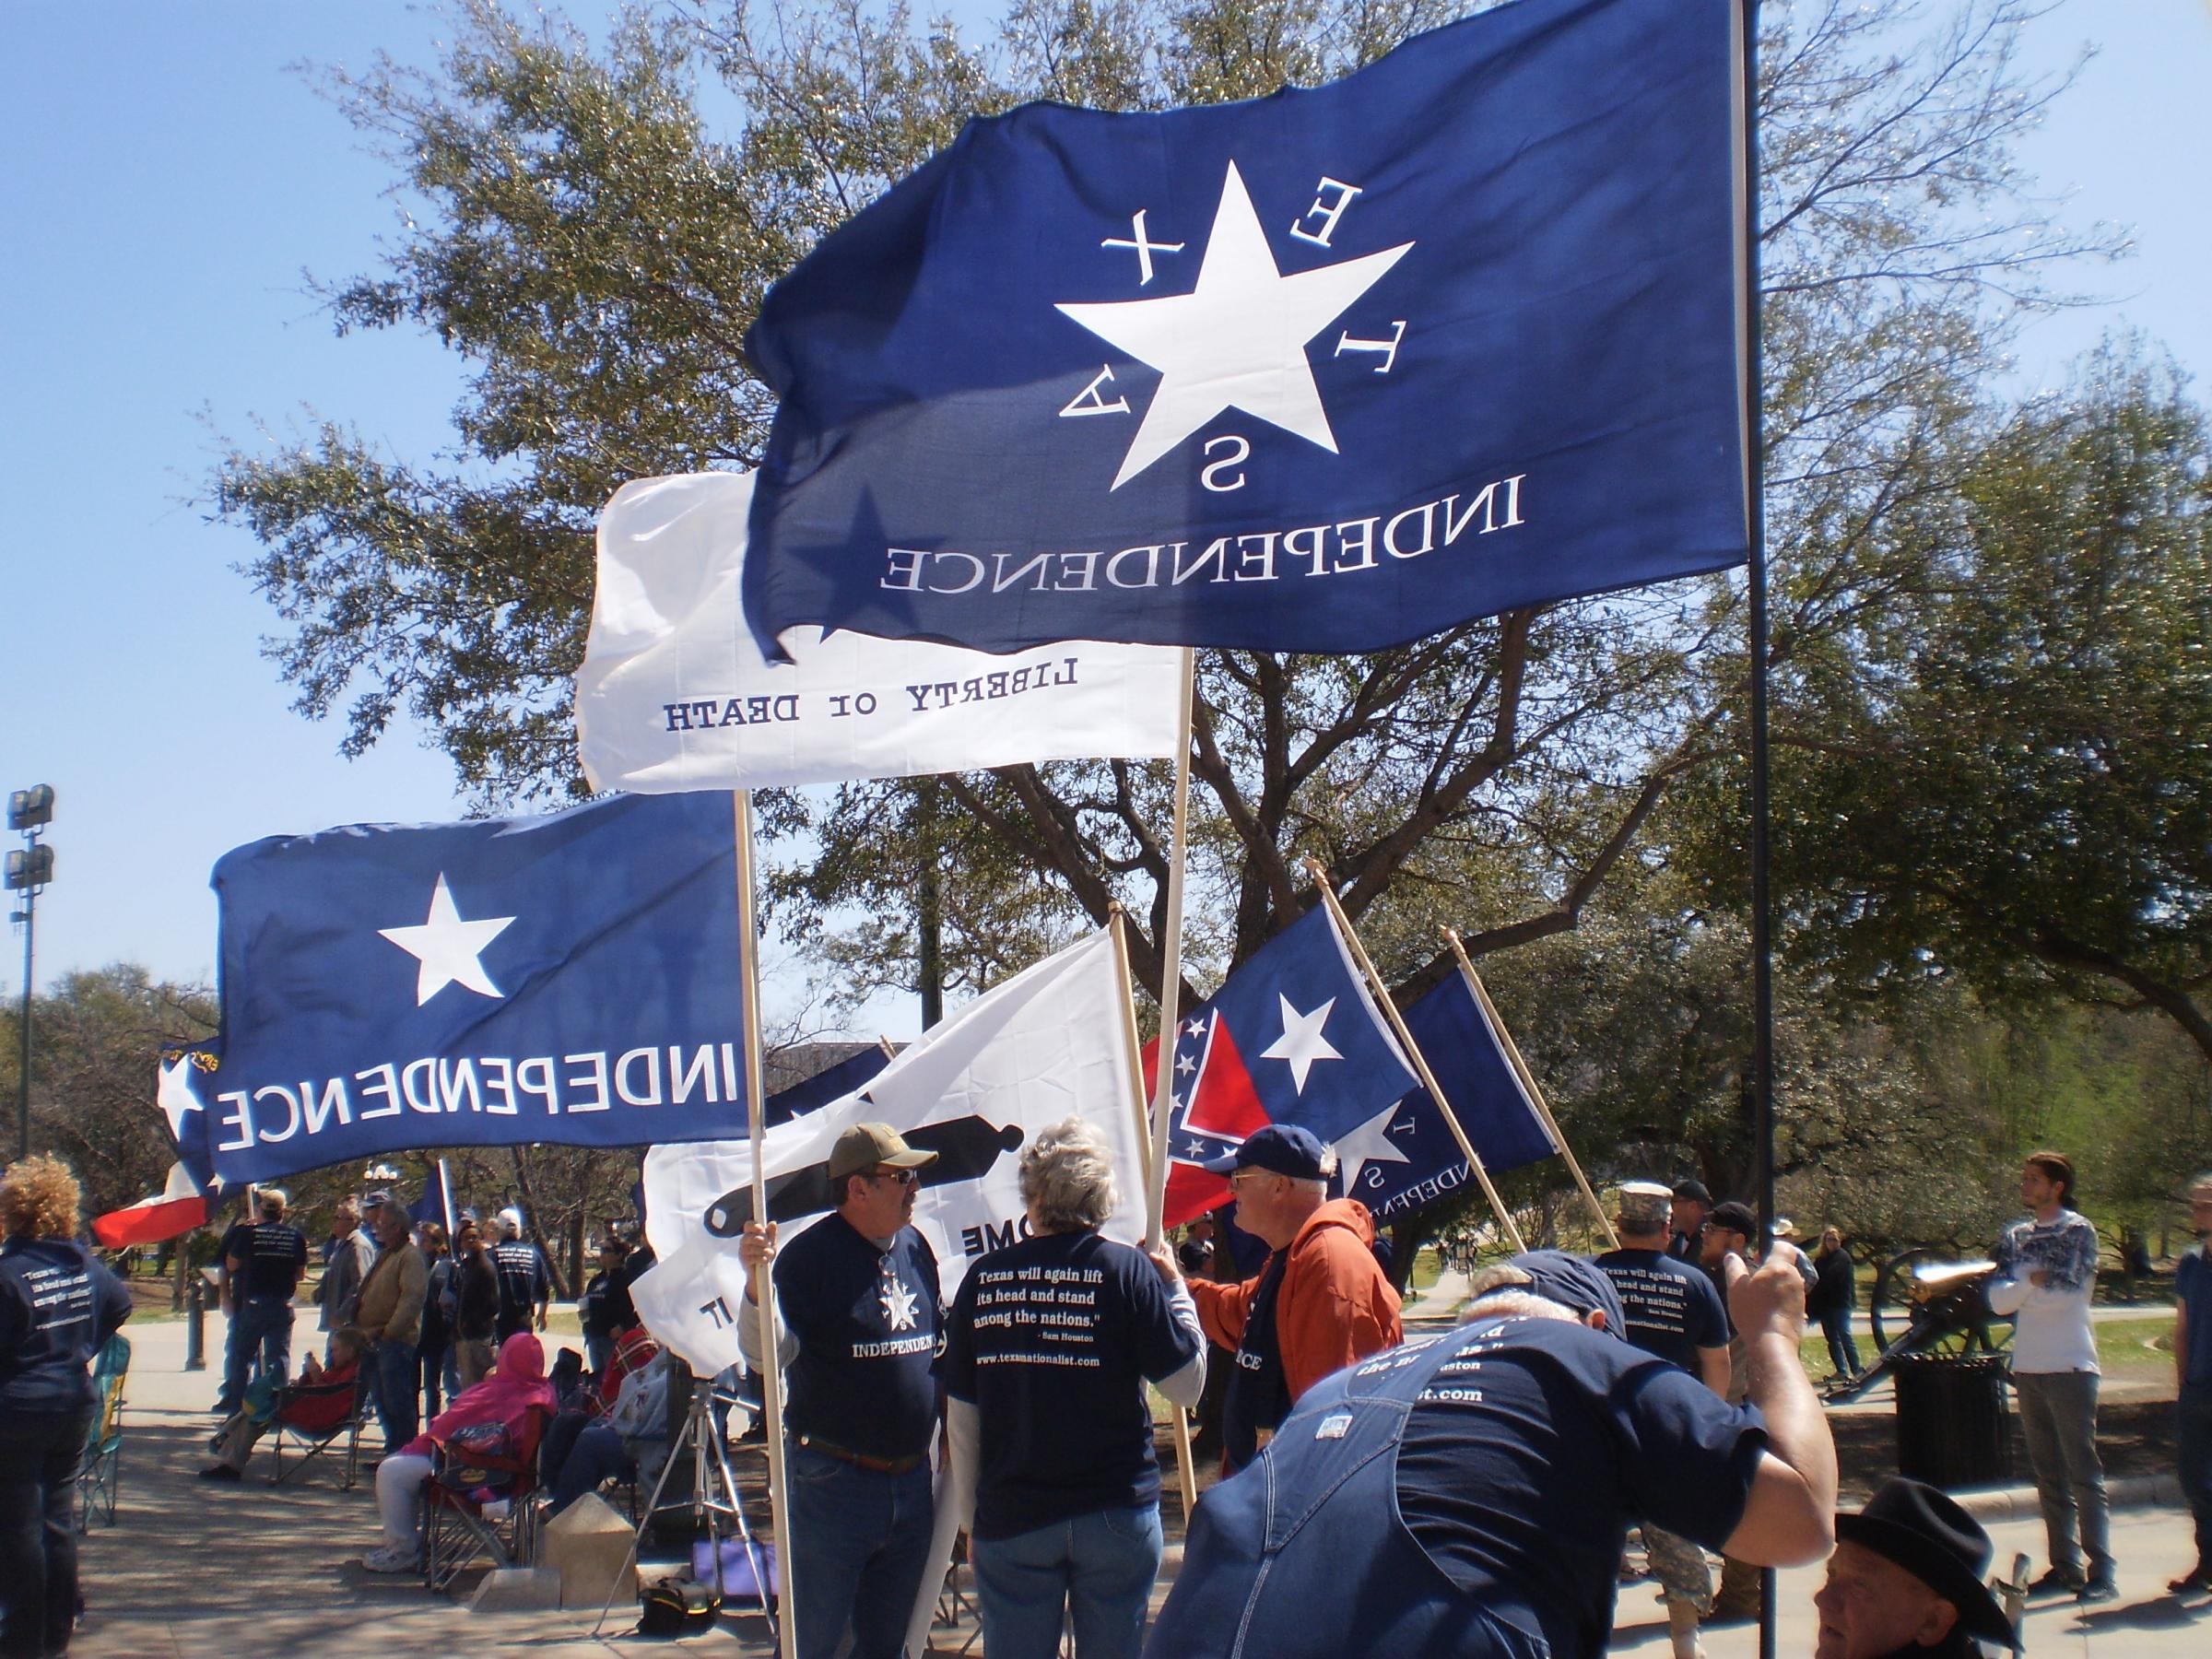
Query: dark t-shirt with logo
x,y
1053,1340
524,1283
1673,1308
270,1253
869,1324
57,1307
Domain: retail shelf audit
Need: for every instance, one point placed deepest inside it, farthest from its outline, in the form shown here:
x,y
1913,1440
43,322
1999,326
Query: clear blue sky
x,y
168,183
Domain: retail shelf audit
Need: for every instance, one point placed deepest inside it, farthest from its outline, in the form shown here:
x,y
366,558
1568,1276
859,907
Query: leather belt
x,y
861,1460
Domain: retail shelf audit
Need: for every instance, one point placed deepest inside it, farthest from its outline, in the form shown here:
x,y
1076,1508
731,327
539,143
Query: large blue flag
x,y
1328,371
1409,1159
574,978
1293,1037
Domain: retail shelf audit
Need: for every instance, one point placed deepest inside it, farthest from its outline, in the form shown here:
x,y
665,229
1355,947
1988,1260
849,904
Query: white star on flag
x,y
1238,340
1301,1042
1184,1065
174,1095
448,948
1369,1143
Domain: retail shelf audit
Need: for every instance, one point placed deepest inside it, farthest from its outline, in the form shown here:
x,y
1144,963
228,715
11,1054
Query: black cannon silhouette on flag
x,y
966,1149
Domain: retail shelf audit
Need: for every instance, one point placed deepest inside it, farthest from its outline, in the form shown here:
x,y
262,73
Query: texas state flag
x,y
1294,1037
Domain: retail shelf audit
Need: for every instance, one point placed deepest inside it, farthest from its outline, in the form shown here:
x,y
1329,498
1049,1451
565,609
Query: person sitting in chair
x,y
320,1401
510,1398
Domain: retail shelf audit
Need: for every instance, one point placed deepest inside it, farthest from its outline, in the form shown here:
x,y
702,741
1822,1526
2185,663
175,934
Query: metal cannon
x,y
1928,1305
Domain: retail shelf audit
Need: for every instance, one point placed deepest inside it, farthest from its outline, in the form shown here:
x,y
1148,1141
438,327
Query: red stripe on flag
x,y
152,1222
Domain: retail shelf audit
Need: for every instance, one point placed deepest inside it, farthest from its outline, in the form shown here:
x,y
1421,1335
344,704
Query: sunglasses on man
x,y
909,1178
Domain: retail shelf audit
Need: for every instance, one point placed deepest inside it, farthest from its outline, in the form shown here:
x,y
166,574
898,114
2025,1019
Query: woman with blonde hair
x,y
58,1307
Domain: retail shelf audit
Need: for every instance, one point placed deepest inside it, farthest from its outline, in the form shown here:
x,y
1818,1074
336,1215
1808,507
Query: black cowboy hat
x,y
1931,1537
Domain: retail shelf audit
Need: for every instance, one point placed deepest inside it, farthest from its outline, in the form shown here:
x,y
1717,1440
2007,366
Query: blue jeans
x,y
261,1326
38,1452
395,1369
859,1546
1842,1352
2194,1457
1096,1570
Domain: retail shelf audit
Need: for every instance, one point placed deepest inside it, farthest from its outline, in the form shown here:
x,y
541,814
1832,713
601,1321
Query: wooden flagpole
x,y
1170,954
1186,1474
1413,1051
764,1292
1171,1009
1528,1082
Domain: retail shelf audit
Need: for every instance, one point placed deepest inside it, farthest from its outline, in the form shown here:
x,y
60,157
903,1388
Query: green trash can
x,y
1954,1428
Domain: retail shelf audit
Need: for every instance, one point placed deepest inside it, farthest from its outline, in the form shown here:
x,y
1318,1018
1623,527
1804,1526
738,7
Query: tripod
x,y
713,1495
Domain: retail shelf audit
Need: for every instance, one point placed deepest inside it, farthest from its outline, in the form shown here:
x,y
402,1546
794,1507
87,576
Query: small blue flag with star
x,y
1407,1158
1293,1037
575,978
1324,371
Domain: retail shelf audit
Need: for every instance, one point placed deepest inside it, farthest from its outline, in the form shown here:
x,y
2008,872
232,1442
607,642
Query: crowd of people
x,y
1466,1493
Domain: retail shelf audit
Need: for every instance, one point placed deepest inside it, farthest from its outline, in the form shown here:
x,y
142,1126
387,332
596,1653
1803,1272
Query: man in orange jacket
x,y
1319,1303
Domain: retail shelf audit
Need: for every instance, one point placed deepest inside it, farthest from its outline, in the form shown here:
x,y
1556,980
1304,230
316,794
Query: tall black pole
x,y
1755,517
929,907
30,902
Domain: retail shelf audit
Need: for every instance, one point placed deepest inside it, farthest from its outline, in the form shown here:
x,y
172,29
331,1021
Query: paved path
x,y
192,1568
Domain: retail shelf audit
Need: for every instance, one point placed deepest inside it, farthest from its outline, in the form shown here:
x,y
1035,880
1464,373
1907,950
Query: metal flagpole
x,y
1413,1051
1528,1082
1751,417
1187,1476
764,1291
1170,954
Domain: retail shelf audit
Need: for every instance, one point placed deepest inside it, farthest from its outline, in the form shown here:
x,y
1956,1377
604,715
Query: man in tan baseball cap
x,y
860,1323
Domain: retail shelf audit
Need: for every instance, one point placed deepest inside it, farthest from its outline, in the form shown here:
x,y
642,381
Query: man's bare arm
x,y
1790,1518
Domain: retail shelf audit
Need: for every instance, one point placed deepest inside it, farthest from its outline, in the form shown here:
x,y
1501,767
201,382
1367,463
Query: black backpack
x,y
677,1608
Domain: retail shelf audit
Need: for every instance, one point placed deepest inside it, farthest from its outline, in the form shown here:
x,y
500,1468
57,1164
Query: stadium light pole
x,y
29,811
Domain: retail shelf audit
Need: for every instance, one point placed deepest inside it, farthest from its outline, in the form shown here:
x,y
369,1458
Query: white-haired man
x,y
1319,1302
1463,1497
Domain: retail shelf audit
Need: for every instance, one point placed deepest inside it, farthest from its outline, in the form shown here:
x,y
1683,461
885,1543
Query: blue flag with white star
x,y
1324,371
574,979
1407,1158
1293,1037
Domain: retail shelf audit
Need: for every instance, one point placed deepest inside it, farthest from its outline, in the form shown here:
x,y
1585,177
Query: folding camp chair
x,y
99,1474
307,1444
481,1503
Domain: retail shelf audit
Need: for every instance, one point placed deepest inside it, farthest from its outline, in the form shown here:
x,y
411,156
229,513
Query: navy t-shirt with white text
x,y
1051,1340
1529,1450
58,1305
869,1322
1674,1309
271,1254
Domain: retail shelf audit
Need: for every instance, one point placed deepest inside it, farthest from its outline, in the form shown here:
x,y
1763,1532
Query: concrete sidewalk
x,y
196,1568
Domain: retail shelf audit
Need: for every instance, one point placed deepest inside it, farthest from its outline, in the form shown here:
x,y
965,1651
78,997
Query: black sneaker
x,y
220,1472
2058,1580
2099,1588
2198,1578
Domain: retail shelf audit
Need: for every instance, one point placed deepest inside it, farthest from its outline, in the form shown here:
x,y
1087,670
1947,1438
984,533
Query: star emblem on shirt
x,y
1301,1042
1238,340
897,1305
449,951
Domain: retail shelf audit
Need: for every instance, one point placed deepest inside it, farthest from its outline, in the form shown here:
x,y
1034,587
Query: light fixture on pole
x,y
29,871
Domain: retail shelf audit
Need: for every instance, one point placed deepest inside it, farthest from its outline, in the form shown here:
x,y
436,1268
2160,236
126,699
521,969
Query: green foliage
x,y
2017,789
